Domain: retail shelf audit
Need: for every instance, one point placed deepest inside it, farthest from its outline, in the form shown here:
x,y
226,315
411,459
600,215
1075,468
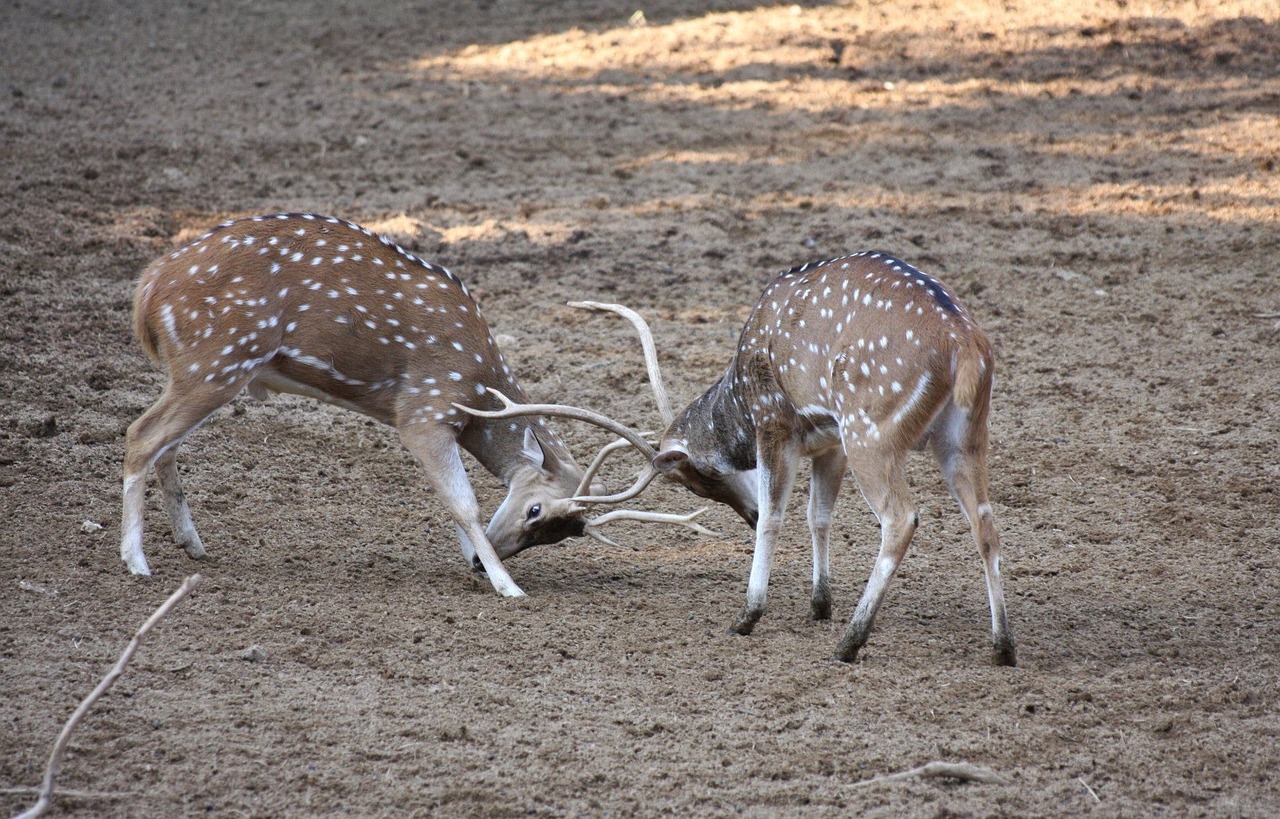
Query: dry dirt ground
x,y
1099,181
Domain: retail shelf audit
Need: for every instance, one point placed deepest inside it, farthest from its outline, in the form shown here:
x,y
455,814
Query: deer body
x,y
850,362
321,307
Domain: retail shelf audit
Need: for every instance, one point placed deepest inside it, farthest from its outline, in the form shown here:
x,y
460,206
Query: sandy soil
x,y
1098,180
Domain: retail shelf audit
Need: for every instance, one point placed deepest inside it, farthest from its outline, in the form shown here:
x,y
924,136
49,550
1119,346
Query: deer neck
x,y
718,422
498,444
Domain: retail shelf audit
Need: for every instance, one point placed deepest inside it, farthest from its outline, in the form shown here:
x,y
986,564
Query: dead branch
x,y
64,738
65,794
940,770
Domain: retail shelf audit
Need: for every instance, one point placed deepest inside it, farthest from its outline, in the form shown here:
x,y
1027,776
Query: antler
x,y
510,409
584,485
686,521
650,352
629,438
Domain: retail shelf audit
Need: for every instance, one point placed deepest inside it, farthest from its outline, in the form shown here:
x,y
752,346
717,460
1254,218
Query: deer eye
x,y
534,511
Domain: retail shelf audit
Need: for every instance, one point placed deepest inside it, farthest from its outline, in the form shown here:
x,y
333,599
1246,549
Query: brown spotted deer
x,y
321,307
849,362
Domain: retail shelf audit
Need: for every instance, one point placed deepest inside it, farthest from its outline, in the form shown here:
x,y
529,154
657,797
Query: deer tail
x,y
974,373
142,328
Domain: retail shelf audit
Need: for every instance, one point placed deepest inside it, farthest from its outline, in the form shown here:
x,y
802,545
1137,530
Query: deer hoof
x,y
820,608
745,623
1004,655
847,651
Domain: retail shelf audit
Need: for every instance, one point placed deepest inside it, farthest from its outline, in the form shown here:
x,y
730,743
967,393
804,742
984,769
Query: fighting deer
x,y
321,307
849,362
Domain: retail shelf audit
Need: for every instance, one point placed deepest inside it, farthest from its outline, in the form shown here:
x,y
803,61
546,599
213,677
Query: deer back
x,y
865,338
322,307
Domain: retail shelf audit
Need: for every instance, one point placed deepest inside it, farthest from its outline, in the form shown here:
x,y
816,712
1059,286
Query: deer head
x,y
539,508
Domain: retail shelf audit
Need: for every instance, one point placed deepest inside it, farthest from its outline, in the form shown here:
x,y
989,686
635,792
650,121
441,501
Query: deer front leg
x,y
777,461
824,487
437,450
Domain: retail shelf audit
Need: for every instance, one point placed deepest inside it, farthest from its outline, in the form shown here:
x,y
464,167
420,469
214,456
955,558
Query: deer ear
x,y
671,459
538,456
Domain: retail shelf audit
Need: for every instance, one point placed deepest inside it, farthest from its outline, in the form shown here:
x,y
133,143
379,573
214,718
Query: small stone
x,y
254,654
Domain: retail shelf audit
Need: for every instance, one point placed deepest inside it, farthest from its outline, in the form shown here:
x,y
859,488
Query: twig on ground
x,y
76,794
946,770
1080,779
64,738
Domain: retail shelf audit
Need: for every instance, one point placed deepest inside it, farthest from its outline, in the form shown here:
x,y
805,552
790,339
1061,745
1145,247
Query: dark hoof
x,y
745,623
1005,656
819,609
847,652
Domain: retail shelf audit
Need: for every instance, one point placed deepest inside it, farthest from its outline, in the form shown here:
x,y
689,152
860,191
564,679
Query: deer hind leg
x,y
154,439
436,448
777,459
824,488
175,502
960,446
879,472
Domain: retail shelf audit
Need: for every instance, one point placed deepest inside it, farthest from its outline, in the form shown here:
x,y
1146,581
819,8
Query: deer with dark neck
x,y
850,362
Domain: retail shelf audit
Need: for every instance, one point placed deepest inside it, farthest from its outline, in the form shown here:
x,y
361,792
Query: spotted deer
x,y
849,362
321,307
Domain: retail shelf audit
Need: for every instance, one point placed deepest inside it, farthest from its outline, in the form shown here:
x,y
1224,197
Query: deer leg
x,y
777,470
437,450
175,501
962,453
153,436
824,487
883,484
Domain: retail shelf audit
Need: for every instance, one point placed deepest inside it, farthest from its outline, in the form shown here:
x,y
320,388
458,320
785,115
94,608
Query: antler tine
x,y
595,535
650,352
584,486
511,409
687,521
645,478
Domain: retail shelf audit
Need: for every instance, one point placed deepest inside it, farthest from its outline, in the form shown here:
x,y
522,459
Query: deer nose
x,y
752,518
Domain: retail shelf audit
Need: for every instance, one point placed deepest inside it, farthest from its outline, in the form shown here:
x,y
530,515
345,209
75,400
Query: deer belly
x,y
315,378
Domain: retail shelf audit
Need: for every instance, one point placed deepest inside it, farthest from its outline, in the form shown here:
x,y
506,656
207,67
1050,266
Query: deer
x,y
321,307
850,362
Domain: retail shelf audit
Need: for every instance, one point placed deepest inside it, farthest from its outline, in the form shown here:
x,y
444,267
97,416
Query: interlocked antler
x,y
629,438
584,485
650,352
510,409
